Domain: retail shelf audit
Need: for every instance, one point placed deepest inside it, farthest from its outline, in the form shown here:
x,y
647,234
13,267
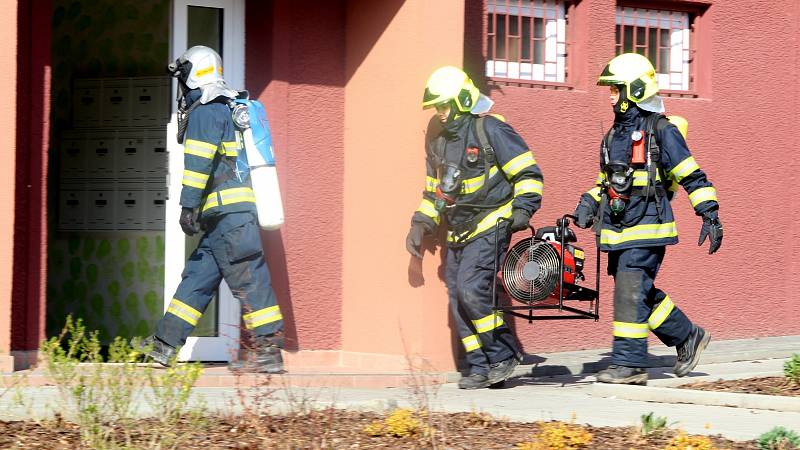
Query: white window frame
x,y
555,55
677,75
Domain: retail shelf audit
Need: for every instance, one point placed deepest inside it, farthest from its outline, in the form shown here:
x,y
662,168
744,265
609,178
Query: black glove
x,y
584,215
188,223
520,219
414,239
712,228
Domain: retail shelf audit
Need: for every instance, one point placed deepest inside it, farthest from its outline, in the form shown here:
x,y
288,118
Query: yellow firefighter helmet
x,y
450,83
635,73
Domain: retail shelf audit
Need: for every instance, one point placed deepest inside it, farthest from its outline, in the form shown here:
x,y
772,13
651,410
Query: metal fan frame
x,y
578,294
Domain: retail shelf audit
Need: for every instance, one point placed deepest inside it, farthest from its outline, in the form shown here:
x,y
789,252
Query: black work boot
x,y
689,351
622,375
263,356
474,381
157,350
500,371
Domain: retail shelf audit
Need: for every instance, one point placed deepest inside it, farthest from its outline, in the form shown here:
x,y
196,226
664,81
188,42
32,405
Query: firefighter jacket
x,y
647,222
211,179
514,179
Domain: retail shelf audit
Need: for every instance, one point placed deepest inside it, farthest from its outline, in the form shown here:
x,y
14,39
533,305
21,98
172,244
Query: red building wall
x,y
741,132
296,67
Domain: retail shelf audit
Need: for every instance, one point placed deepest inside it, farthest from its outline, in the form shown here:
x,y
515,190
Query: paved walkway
x,y
525,398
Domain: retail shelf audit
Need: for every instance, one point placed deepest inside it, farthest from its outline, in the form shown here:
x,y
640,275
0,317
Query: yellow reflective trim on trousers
x,y
640,177
684,169
199,148
701,195
471,343
630,330
431,183
520,162
426,207
660,313
489,322
184,311
194,179
595,193
474,184
488,222
230,148
639,233
528,186
262,317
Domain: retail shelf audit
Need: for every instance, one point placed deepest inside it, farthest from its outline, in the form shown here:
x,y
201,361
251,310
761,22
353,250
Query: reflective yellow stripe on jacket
x,y
488,222
684,169
471,185
229,196
199,148
704,194
194,179
517,164
431,183
427,208
230,148
639,233
528,186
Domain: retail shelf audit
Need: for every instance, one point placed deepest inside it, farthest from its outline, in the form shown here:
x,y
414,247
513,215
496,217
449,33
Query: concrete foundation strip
x,y
711,398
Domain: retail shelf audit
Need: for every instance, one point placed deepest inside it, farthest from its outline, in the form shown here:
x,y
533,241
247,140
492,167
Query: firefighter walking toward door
x,y
643,160
479,170
217,197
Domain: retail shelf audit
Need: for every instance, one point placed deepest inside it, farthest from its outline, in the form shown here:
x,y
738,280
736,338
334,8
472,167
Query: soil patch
x,y
763,385
336,429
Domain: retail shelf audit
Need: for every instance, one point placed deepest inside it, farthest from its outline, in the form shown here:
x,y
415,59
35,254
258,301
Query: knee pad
x,y
627,295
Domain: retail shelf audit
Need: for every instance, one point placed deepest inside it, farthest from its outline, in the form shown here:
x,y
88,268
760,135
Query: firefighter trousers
x,y
231,250
640,307
469,277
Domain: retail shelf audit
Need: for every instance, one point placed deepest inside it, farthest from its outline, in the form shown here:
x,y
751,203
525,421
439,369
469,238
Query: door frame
x,y
223,346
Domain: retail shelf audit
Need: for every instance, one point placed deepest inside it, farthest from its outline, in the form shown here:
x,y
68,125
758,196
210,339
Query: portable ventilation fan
x,y
542,272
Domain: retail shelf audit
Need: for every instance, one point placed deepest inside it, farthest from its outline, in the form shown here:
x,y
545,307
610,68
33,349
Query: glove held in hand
x,y
711,229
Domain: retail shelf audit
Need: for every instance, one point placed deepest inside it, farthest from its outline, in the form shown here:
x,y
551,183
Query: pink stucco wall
x,y
295,65
392,302
740,132
8,77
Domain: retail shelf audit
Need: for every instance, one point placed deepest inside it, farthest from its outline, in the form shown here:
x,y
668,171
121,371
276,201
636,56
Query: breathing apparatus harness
x,y
451,181
617,187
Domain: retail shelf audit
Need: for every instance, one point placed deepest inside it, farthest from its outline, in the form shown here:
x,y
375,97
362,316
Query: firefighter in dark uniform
x,y
471,186
643,160
217,197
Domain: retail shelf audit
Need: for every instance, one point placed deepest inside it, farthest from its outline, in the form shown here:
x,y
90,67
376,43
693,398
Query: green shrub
x,y
651,423
779,438
792,368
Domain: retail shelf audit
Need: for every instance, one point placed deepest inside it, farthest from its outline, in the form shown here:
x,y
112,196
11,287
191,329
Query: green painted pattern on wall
x,y
113,280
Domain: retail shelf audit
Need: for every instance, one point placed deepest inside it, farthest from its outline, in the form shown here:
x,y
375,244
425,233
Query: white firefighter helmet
x,y
198,66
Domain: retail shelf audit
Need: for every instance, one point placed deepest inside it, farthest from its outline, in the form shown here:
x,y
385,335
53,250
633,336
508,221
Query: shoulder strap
x,y
480,128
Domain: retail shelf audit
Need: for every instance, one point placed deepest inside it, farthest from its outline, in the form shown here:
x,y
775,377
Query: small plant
x,y
792,368
652,423
684,442
779,438
402,422
558,436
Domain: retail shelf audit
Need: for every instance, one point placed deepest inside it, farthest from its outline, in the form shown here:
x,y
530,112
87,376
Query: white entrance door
x,y
218,24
